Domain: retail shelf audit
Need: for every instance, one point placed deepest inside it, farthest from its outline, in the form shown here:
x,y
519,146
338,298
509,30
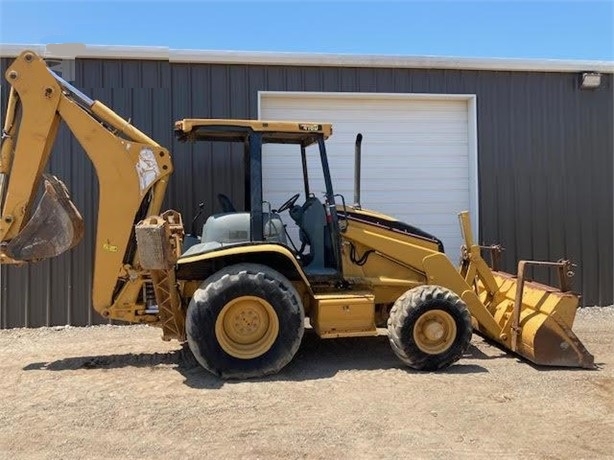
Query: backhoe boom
x,y
131,168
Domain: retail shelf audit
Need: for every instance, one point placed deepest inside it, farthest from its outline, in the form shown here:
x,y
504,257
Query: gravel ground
x,y
121,392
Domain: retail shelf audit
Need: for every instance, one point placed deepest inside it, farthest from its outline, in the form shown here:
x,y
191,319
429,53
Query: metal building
x,y
522,144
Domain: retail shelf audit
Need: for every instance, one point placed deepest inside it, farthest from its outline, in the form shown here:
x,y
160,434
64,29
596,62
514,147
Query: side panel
x,y
338,315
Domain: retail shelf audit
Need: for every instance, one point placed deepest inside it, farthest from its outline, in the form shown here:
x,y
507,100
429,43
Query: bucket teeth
x,y
55,226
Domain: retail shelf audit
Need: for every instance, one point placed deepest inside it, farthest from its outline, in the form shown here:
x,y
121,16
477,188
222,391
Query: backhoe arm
x,y
132,172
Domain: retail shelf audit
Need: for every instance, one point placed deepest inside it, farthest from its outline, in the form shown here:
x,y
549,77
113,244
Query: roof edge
x,y
79,50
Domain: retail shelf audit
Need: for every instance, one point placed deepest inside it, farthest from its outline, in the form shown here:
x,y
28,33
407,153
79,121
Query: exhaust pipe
x,y
357,152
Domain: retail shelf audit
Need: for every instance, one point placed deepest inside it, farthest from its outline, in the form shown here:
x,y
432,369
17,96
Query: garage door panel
x,y
420,160
416,123
417,159
413,140
415,163
435,192
391,104
417,195
368,188
421,175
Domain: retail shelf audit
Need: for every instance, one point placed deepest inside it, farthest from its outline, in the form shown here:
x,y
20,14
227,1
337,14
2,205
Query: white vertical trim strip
x,y
474,173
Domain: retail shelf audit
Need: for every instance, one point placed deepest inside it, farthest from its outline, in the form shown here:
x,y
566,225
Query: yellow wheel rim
x,y
247,327
434,332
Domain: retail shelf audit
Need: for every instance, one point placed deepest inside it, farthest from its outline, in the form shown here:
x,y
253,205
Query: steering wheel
x,y
288,204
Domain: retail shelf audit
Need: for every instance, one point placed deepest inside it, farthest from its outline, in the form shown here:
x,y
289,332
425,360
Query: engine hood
x,y
383,220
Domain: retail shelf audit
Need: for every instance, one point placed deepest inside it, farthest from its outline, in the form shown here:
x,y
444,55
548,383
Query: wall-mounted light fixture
x,y
590,80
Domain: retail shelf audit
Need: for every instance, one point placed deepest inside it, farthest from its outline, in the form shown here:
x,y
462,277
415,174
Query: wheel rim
x,y
434,332
247,327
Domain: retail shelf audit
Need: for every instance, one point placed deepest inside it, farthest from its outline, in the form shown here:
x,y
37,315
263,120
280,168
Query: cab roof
x,y
273,132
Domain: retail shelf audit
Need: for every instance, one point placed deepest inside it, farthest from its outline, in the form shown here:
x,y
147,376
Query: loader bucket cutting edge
x,y
55,226
544,333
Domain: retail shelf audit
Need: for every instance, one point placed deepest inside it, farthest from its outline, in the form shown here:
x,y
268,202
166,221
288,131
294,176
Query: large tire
x,y
245,321
429,328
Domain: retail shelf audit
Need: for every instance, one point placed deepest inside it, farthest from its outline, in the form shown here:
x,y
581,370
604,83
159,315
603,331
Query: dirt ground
x,y
121,392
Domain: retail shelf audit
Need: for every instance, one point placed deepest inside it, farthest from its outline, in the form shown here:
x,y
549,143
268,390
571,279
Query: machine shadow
x,y
315,359
321,359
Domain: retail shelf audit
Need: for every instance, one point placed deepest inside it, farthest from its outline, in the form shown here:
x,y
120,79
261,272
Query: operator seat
x,y
311,220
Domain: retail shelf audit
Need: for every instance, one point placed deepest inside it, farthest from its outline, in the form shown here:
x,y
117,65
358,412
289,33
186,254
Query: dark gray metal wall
x,y
545,151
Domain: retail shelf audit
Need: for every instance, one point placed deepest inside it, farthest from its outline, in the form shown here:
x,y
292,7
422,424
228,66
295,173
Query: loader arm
x,y
527,318
131,168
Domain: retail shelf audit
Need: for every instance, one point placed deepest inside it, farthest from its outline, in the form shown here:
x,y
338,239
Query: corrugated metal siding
x,y
545,162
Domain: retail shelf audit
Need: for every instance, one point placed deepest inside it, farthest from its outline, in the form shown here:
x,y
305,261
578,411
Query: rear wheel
x,y
429,328
245,321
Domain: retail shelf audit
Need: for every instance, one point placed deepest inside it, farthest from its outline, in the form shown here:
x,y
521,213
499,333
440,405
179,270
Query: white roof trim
x,y
72,50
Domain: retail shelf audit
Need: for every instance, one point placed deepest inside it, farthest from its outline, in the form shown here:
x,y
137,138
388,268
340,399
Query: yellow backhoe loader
x,y
239,291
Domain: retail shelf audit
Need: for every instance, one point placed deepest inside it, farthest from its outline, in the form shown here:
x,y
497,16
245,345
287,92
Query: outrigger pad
x,y
55,227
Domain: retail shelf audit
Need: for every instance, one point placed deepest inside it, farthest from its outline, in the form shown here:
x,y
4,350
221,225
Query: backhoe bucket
x,y
55,226
537,321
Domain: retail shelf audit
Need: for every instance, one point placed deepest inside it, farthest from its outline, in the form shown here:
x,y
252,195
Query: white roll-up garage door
x,y
418,155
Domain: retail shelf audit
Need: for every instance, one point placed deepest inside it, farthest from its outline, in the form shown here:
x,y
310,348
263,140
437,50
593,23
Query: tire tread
x,y
407,305
215,286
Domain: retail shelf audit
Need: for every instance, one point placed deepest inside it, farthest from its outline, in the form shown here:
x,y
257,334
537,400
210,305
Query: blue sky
x,y
520,29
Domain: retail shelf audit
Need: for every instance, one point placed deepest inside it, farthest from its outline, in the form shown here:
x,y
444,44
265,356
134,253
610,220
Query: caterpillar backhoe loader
x,y
239,292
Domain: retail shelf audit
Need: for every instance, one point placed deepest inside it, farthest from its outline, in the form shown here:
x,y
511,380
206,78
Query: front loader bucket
x,y
537,322
530,319
55,226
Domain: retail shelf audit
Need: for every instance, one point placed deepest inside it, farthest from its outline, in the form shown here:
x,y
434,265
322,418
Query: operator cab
x,y
316,243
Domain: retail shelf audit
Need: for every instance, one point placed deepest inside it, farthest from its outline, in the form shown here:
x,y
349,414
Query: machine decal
x,y
309,127
109,247
147,169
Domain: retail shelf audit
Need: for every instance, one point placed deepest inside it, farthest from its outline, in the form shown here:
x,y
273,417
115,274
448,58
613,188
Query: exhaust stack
x,y
357,152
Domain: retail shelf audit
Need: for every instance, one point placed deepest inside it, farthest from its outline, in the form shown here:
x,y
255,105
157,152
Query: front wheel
x,y
245,321
429,328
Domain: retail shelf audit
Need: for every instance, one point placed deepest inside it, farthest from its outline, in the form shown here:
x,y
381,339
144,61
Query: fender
x,y
277,256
